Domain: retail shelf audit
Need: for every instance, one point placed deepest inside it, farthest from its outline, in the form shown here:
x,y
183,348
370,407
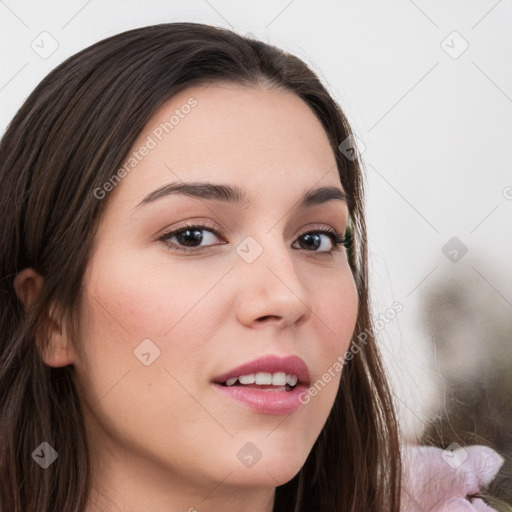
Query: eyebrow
x,y
235,195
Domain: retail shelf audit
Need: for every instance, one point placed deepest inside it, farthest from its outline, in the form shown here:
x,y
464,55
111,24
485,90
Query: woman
x,y
184,266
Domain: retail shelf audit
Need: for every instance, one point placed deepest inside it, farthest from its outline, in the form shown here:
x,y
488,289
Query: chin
x,y
273,470
263,477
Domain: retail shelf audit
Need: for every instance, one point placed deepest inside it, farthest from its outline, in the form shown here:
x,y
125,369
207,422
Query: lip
x,y
267,402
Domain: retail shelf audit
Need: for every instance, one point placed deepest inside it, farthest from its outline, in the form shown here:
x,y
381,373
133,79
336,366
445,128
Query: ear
x,y
28,285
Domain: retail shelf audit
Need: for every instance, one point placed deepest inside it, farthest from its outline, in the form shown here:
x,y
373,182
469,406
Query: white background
x,y
436,128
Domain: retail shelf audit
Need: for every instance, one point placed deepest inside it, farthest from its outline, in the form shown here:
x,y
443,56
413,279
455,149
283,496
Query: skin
x,y
162,438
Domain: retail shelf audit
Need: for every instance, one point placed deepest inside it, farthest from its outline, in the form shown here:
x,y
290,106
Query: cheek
x,y
132,309
144,299
135,307
336,315
336,309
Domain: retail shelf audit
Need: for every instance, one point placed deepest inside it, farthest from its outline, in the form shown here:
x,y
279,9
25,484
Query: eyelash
x,y
337,239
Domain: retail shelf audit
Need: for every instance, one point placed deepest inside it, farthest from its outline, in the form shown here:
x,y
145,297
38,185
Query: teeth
x,y
279,379
231,381
262,378
291,380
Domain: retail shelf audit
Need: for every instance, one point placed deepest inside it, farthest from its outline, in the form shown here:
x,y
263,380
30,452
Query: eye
x,y
188,238
316,239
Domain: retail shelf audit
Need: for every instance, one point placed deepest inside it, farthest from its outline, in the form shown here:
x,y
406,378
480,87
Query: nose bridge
x,y
272,287
266,249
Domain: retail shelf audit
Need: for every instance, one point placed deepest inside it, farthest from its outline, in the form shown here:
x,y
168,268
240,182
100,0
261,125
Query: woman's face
x,y
166,318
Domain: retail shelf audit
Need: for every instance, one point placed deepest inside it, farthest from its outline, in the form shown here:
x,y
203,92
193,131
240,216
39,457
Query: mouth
x,y
278,381
269,385
270,372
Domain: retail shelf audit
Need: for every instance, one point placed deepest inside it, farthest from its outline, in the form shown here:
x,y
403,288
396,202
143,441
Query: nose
x,y
270,290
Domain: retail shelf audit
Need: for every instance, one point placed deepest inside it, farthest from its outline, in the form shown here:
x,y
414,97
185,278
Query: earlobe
x,y
28,285
56,351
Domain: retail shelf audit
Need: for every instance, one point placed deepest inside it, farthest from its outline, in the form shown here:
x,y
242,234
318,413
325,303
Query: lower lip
x,y
266,402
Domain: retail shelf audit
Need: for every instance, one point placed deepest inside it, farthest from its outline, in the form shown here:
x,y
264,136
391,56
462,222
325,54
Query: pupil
x,y
196,237
309,237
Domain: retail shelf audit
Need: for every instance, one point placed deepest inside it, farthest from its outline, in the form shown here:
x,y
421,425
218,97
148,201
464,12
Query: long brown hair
x,y
69,137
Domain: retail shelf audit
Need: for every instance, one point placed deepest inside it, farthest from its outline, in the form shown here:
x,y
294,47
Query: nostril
x,y
268,316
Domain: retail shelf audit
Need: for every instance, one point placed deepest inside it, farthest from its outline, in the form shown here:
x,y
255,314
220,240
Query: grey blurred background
x,y
427,87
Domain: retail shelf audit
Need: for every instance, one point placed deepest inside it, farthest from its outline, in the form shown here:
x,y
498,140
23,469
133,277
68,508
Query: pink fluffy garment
x,y
437,480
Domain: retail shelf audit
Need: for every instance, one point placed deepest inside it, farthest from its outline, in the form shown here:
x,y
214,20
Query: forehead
x,y
266,140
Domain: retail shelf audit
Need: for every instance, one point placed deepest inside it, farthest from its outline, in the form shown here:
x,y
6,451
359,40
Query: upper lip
x,y
292,365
